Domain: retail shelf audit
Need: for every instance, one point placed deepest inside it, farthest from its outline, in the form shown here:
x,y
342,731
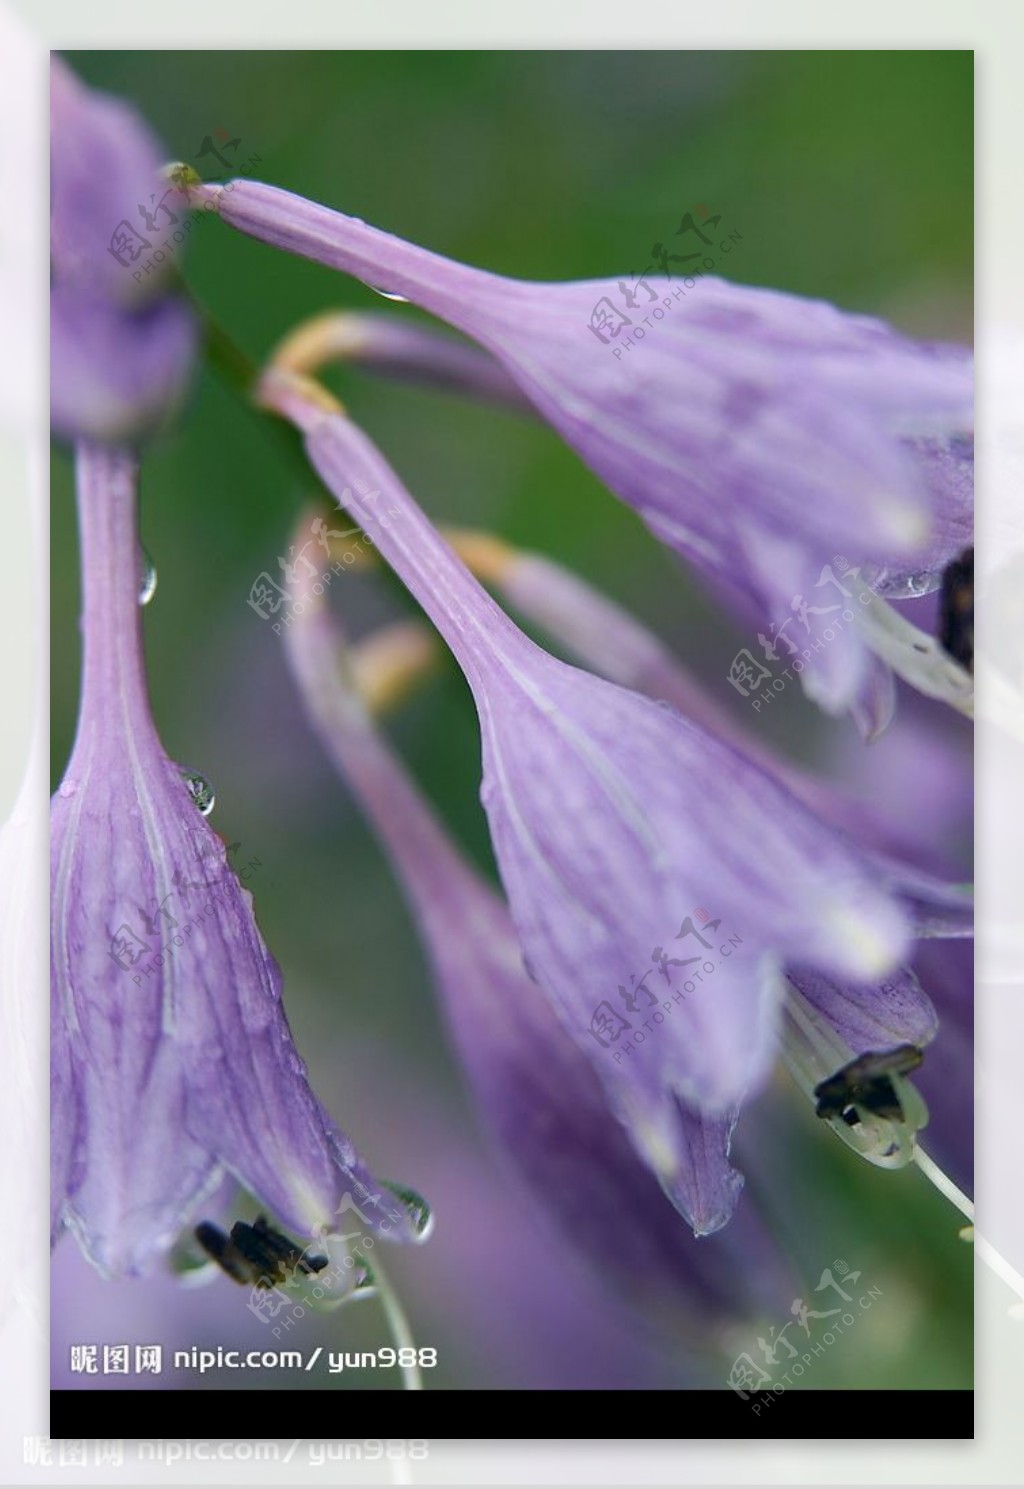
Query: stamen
x,y
912,654
398,1324
982,1248
866,1099
944,1184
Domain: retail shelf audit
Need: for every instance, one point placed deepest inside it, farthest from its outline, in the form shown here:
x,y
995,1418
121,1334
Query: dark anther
x,y
956,610
866,1085
256,1254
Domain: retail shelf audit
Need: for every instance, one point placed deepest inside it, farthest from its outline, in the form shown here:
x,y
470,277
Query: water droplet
x,y
387,294
417,1209
366,1282
147,577
892,584
68,788
199,789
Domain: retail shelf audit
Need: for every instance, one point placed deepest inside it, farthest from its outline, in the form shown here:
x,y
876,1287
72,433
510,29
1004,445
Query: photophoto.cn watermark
x,y
167,228
141,948
641,305
302,578
648,1006
782,1360
761,684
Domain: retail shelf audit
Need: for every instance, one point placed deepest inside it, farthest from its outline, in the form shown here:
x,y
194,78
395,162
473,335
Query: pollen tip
x,y
188,180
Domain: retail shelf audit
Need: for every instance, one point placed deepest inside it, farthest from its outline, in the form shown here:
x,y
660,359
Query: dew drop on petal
x,y
416,1208
147,577
199,789
67,788
366,1282
387,294
897,585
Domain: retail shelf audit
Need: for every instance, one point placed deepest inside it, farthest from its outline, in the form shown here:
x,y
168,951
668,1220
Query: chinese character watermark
x,y
302,581
642,304
753,1377
650,998
760,683
158,217
157,929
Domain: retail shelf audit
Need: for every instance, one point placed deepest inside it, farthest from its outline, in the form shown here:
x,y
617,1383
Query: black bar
x,y
228,1414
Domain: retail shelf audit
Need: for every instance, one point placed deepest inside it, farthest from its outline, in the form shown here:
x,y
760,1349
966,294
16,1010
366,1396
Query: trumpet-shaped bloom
x,y
910,770
757,433
615,822
538,1092
172,1060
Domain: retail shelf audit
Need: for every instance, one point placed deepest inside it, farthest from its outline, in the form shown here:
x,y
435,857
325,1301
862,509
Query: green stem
x,y
398,1326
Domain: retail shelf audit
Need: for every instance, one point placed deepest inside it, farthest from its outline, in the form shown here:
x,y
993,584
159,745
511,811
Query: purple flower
x,y
827,1025
947,1075
105,190
918,766
539,1093
172,1057
121,347
116,375
759,434
613,821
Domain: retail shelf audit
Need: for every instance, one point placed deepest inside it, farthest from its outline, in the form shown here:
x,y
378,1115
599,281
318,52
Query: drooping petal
x,y
946,1078
611,819
537,1091
866,1016
948,467
65,1123
180,1054
757,433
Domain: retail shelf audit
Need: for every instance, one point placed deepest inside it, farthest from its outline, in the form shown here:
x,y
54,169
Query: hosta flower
x,y
759,434
615,822
539,1093
911,768
117,375
105,190
888,805
172,1060
121,346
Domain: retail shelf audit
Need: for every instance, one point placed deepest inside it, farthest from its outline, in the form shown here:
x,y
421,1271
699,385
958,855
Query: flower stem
x,y
386,263
356,473
399,349
943,1183
398,1326
989,1255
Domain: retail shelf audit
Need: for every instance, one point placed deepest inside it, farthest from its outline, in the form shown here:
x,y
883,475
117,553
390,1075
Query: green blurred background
x,y
849,176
